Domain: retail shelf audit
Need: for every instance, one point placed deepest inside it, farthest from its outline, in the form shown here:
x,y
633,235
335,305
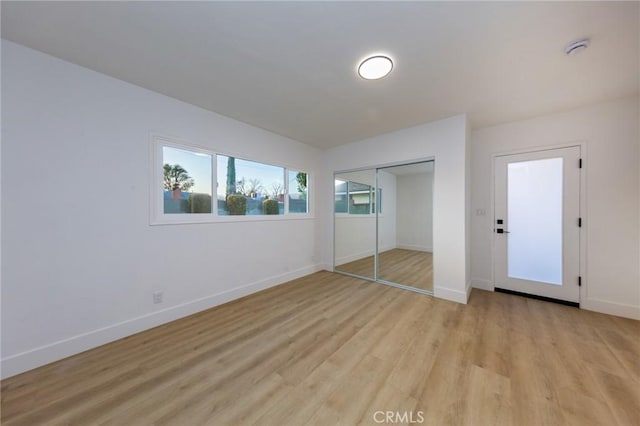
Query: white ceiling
x,y
290,67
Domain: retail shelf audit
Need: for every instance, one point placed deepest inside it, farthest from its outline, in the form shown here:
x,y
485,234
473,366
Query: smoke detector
x,y
576,46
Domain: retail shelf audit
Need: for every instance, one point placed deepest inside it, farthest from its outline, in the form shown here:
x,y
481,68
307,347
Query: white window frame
x,y
159,217
373,206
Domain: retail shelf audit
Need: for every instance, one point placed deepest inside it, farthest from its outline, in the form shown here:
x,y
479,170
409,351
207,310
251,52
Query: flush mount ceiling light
x,y
576,46
375,67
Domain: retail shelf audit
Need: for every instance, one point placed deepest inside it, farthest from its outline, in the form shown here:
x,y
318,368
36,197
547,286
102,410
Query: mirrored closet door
x,y
355,223
383,225
405,232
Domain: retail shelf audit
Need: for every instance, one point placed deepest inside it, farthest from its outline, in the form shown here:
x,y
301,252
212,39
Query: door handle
x,y
501,231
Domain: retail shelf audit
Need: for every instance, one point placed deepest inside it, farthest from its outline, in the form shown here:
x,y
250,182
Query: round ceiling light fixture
x,y
576,46
375,67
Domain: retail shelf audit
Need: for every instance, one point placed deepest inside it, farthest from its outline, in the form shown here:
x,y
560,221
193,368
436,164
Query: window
x,y
260,184
355,198
297,195
184,179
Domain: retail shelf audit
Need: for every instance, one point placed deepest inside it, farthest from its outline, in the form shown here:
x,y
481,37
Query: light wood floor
x,y
328,349
408,267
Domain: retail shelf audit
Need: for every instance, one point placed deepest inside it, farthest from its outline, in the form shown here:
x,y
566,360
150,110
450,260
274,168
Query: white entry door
x,y
536,223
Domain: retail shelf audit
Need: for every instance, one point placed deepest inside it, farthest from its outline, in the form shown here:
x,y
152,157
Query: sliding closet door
x,y
383,225
405,230
355,223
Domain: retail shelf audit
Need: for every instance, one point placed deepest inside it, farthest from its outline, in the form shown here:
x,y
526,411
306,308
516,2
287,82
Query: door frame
x,y
582,266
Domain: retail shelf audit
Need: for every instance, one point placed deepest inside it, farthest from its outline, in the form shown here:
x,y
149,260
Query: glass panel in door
x,y
534,215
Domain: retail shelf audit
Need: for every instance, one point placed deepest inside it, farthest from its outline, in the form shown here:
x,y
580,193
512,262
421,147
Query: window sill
x,y
356,216
181,220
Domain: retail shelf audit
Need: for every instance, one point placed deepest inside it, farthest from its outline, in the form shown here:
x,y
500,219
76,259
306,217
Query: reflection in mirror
x,y
405,229
355,223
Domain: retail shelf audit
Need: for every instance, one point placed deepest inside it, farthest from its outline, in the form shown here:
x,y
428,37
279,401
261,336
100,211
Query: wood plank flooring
x,y
408,267
328,349
363,267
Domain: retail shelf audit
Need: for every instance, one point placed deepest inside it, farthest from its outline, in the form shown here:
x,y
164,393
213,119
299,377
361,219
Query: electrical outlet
x,y
157,297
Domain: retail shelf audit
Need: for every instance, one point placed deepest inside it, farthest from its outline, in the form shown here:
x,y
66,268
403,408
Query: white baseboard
x,y
354,257
452,295
415,247
611,308
28,360
325,267
482,284
387,248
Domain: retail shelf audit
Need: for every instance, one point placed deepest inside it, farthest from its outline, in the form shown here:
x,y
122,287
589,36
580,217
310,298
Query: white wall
x,y
1,209
611,135
467,204
80,260
415,211
445,140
